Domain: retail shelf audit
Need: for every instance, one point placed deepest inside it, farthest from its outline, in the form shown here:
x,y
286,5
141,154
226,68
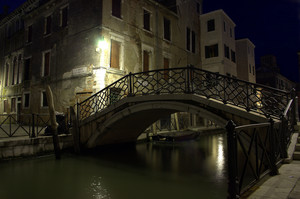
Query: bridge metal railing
x,y
253,151
16,125
249,96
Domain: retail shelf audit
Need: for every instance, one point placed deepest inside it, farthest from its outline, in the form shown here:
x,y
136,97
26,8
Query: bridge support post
x,y
274,169
233,182
75,131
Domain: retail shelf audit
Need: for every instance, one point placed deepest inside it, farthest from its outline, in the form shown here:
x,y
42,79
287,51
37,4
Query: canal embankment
x,y
25,146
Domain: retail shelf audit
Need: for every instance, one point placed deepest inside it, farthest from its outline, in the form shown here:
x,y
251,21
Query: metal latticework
x,y
249,96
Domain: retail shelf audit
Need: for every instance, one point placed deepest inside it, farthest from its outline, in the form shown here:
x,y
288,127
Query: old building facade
x,y
79,48
245,58
218,52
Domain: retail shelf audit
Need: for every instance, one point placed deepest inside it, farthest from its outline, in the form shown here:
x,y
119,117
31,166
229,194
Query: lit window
x,y
116,8
46,64
146,20
210,25
115,54
167,29
211,51
48,23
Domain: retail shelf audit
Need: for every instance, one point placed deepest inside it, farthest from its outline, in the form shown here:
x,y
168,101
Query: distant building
x,y
79,47
269,74
218,50
245,60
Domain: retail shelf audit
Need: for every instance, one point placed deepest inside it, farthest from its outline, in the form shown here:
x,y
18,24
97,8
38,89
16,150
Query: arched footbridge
x,y
123,110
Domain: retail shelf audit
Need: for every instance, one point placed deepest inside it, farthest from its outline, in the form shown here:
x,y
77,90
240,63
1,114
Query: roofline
x,y
246,39
219,11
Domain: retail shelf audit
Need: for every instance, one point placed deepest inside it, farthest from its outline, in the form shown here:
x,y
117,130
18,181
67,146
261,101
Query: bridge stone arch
x,y
128,118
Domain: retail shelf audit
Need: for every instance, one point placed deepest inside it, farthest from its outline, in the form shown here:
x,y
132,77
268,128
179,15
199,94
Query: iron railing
x,y
261,99
253,151
15,125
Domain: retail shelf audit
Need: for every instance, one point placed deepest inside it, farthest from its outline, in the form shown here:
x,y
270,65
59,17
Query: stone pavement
x,y
285,185
282,186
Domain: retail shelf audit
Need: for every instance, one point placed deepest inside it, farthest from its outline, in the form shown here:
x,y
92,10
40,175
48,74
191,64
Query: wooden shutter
x,y
115,55
146,61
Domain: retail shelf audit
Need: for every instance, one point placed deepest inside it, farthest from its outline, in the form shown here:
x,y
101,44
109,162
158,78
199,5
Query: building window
x,y
224,26
46,64
26,102
253,70
27,69
146,20
115,54
14,72
232,56
193,42
19,76
226,51
230,32
167,29
29,34
5,108
13,105
64,17
188,39
146,60
198,8
6,74
166,67
249,68
211,51
210,25
116,8
48,23
44,102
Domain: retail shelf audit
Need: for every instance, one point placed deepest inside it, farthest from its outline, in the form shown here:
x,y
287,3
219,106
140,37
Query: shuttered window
x,y
115,54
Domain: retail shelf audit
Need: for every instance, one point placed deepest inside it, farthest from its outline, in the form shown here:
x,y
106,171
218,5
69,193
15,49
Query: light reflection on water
x,y
192,169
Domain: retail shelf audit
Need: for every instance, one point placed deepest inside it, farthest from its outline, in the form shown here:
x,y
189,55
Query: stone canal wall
x,y
24,146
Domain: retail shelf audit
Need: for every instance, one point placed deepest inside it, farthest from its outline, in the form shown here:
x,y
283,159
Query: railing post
x,y
187,80
233,182
274,170
247,98
10,135
33,131
224,90
293,96
283,142
130,85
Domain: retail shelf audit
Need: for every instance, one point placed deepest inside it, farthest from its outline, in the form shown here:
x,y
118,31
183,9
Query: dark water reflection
x,y
193,169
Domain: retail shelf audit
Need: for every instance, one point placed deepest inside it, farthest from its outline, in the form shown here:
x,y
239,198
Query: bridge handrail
x,y
262,99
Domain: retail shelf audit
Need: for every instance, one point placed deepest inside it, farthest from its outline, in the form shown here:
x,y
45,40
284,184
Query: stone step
x,y
296,155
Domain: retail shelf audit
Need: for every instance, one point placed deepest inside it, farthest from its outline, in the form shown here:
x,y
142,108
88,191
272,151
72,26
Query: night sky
x,y
272,25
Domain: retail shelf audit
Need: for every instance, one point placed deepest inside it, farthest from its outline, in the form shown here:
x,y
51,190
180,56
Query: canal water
x,y
189,169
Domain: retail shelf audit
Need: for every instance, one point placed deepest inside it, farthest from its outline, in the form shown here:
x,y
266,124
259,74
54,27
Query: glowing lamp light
x,y
102,45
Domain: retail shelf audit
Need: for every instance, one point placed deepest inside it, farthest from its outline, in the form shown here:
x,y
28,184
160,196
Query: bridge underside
x,y
128,118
